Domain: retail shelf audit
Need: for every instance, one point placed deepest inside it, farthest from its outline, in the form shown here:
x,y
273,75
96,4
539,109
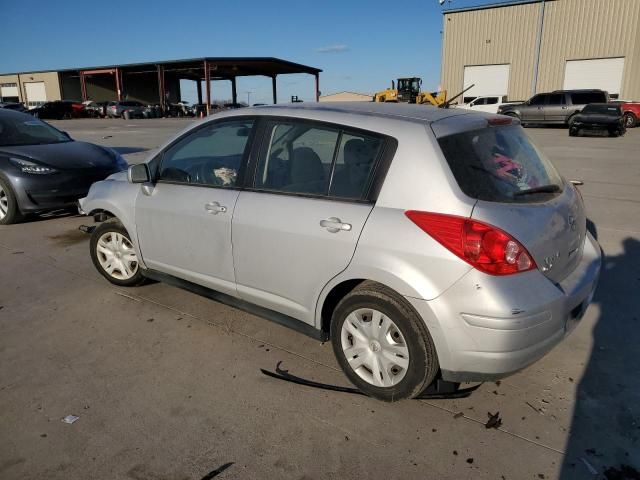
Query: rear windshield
x,y
500,164
603,109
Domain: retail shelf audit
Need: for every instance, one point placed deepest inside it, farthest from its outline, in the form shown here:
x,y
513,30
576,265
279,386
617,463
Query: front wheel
x,y
113,255
9,211
382,345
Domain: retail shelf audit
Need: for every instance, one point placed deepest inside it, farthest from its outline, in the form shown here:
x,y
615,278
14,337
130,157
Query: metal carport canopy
x,y
217,68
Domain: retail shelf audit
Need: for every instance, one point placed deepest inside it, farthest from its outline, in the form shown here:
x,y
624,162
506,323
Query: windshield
x,y
603,109
21,130
409,84
500,164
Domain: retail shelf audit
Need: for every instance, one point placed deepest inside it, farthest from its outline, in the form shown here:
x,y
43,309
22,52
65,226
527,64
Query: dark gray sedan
x,y
42,168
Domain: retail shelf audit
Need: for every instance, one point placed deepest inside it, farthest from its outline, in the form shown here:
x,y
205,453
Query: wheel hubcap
x,y
374,347
117,256
4,204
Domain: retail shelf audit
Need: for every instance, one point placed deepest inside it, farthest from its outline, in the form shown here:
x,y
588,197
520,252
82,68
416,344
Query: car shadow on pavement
x,y
41,217
605,428
127,150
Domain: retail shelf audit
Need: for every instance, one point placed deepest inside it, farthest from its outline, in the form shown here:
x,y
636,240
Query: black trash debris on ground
x,y
494,420
437,391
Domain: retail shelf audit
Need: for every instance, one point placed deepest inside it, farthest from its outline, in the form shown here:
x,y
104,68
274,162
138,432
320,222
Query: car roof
x,y
7,112
398,111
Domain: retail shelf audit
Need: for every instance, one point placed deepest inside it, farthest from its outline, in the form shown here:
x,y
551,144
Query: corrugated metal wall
x,y
491,36
582,29
573,29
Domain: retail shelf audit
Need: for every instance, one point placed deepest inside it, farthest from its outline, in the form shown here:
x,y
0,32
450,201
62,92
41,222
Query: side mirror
x,y
138,173
66,134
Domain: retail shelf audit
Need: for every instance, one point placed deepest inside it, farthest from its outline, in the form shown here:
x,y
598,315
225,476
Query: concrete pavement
x,y
167,384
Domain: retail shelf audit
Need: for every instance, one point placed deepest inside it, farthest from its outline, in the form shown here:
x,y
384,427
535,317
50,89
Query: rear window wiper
x,y
542,189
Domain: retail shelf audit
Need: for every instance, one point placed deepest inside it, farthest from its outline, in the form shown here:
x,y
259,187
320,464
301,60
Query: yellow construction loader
x,y
408,91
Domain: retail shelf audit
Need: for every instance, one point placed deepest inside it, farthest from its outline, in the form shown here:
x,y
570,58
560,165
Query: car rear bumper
x,y
598,126
490,327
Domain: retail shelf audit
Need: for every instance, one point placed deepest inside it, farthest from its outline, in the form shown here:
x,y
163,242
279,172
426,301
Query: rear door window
x,y
557,99
298,159
314,159
356,159
500,164
582,98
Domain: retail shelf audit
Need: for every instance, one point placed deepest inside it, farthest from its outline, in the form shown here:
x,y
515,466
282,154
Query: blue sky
x,y
360,45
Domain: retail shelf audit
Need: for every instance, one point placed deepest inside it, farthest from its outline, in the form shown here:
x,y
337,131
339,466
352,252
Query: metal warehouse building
x,y
526,47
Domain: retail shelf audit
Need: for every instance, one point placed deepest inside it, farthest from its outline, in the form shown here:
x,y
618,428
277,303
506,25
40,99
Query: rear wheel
x,y
629,120
9,211
113,255
382,344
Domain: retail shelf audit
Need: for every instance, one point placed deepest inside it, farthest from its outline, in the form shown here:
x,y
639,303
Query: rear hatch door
x,y
517,189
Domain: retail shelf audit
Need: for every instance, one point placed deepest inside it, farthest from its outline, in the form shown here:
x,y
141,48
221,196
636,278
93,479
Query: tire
x,y
111,249
573,132
9,210
400,334
570,120
629,120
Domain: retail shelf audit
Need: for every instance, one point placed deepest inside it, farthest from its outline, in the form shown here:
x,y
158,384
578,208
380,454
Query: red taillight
x,y
483,246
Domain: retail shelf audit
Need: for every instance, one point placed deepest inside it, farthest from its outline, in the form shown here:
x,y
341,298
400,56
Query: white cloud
x,y
333,49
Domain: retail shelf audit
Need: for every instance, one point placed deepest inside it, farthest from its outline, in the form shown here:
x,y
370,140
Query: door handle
x,y
564,108
334,225
214,208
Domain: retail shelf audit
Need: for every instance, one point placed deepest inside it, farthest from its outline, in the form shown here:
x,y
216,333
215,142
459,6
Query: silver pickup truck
x,y
554,108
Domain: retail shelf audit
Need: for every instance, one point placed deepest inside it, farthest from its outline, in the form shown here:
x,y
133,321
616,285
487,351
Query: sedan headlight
x,y
31,167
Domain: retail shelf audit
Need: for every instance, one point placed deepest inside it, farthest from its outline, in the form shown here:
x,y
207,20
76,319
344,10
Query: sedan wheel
x,y
382,344
4,204
114,256
374,347
9,212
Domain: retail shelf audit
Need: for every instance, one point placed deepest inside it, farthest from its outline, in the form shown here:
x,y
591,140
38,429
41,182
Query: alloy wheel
x,y
117,256
4,203
374,347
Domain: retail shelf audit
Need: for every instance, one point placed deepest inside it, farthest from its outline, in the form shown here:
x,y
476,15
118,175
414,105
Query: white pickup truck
x,y
485,103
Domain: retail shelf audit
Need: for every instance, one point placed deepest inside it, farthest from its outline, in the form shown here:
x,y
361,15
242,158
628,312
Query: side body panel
x,y
283,257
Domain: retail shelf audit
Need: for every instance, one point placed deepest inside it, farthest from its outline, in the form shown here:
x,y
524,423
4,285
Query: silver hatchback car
x,y
425,243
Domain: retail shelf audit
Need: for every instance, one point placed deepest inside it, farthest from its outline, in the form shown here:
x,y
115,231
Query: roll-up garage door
x,y
487,80
36,94
9,92
602,73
